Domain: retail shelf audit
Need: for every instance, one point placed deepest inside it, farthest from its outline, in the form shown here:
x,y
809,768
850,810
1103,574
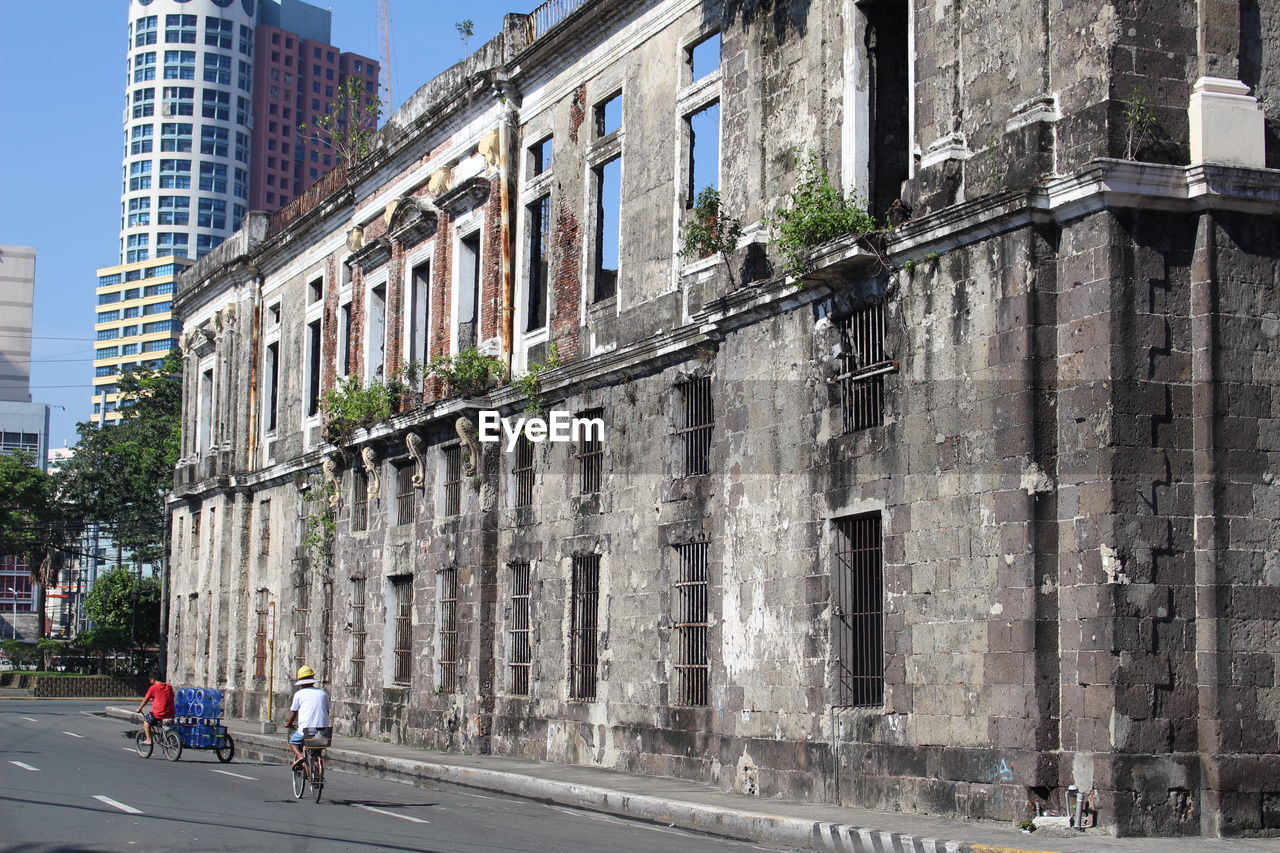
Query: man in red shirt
x,y
160,695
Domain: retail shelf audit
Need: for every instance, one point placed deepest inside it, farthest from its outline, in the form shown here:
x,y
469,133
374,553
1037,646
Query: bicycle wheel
x,y
299,781
140,743
227,751
171,744
317,778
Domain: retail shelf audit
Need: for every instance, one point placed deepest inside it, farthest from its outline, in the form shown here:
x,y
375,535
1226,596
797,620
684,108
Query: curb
x,y
731,823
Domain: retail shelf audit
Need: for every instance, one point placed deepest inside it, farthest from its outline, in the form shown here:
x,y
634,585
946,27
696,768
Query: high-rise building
x,y
215,93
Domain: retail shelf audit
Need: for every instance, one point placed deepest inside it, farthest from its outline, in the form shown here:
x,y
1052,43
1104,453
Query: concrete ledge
x,y
730,823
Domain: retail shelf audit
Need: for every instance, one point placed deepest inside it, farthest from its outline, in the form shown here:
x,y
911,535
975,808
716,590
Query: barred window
x,y
326,628
858,641
404,494
359,499
520,650
523,472
264,527
195,532
591,455
694,426
692,625
263,613
453,480
584,608
357,632
301,611
402,653
863,366
447,598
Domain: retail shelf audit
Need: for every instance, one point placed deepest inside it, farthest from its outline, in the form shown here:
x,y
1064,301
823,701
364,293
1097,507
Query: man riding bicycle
x,y
309,710
160,695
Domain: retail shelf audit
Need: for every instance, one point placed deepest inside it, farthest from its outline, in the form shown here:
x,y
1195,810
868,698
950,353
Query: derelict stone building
x,y
982,508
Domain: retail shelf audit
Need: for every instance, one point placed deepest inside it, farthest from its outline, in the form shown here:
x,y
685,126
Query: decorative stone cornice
x,y
373,254
411,220
465,195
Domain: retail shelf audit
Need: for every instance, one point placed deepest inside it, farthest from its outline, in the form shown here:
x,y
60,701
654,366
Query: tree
x,y
124,606
348,124
120,472
31,519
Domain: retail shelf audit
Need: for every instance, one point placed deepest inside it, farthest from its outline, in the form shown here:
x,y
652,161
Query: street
x,y
71,783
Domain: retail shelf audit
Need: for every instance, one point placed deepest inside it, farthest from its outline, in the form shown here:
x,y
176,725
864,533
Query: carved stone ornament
x,y
466,430
440,180
490,147
228,317
355,238
411,220
370,458
215,323
418,451
329,468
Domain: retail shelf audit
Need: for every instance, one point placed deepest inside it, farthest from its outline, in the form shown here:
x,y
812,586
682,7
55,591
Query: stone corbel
x,y
369,457
466,430
490,147
950,147
440,181
329,470
355,238
418,452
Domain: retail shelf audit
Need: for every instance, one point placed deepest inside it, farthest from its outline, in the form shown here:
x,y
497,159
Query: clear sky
x,y
60,149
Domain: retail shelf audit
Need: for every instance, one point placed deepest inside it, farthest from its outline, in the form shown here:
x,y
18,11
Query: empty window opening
x,y
359,499
358,632
447,588
520,651
262,611
863,366
609,115
692,625
344,340
694,426
608,200
539,244
468,290
315,291
404,494
272,391
453,480
313,368
195,532
704,151
419,308
206,410
859,613
584,608
540,156
523,472
591,456
704,57
402,651
264,527
301,612
889,76
377,343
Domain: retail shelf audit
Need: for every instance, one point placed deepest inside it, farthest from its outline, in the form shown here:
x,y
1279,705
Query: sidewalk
x,y
699,807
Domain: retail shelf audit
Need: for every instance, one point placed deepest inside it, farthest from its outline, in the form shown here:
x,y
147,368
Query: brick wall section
x,y
90,686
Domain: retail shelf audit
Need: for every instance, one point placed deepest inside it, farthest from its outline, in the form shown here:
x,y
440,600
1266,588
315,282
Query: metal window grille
x,y
301,611
448,600
859,611
264,527
403,651
326,629
591,456
357,632
359,500
263,612
696,422
195,532
692,625
863,365
404,494
584,618
520,652
523,471
452,480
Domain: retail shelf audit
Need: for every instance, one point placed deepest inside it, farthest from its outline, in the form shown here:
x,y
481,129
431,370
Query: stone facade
x,y
1059,462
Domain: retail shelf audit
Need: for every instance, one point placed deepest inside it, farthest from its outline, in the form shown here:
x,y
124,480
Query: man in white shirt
x,y
310,710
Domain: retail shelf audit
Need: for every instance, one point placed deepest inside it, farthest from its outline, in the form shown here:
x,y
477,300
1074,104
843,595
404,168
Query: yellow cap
x,y
306,672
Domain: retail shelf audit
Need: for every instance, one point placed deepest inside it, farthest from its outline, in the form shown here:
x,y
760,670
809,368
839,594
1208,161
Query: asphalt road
x,y
71,783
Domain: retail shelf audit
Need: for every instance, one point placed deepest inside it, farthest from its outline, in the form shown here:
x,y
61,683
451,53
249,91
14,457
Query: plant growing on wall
x,y
530,385
816,213
320,523
1139,123
709,230
348,124
405,386
351,406
466,29
468,372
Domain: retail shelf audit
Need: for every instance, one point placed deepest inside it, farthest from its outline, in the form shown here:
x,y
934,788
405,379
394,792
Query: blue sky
x,y
60,149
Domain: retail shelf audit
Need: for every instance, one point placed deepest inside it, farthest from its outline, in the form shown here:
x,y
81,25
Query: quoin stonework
x,y
981,508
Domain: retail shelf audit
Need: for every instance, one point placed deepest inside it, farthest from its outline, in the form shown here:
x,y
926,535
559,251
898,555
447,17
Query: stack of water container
x,y
199,713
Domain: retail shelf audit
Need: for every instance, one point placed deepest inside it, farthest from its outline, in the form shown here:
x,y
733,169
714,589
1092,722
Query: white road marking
x,y
24,766
121,806
32,719
128,749
237,775
391,814
73,734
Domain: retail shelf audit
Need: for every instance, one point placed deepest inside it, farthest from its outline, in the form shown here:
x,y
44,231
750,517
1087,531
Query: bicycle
x,y
165,732
310,771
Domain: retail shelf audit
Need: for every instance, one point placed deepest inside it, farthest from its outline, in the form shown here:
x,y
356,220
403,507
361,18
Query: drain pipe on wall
x,y
507,173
